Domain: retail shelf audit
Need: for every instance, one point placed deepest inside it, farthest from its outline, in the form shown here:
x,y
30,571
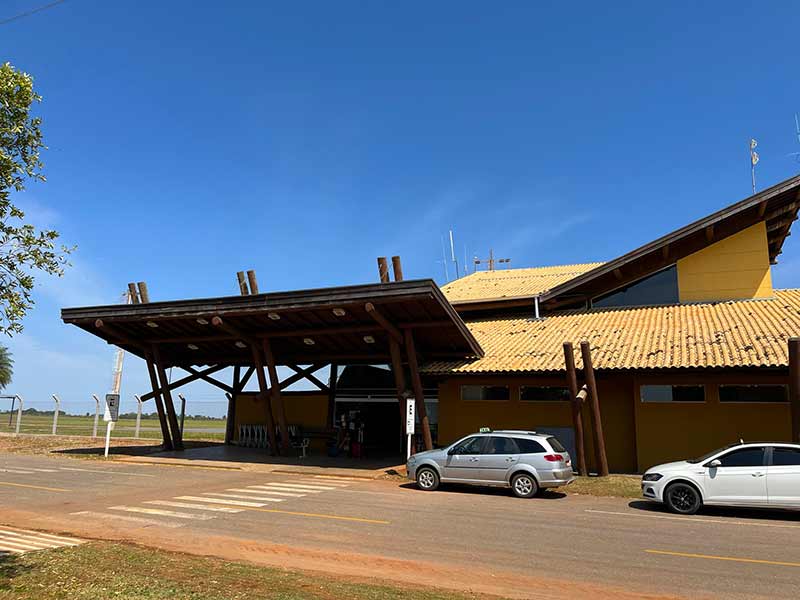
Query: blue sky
x,y
189,140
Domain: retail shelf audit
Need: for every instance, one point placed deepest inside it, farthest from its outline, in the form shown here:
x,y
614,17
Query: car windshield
x,y
708,455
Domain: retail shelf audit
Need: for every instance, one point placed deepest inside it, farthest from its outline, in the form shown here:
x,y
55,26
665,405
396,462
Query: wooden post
x,y
577,418
591,384
172,417
416,384
397,268
162,418
275,390
332,384
264,393
383,269
242,283
400,385
251,279
230,420
794,386
134,294
144,295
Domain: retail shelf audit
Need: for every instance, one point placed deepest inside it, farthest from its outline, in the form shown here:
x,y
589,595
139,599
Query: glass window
x,y
658,288
555,444
473,445
746,457
501,445
529,393
673,393
754,393
785,457
527,446
485,392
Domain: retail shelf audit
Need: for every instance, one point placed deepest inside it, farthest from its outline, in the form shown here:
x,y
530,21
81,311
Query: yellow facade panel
x,y
731,269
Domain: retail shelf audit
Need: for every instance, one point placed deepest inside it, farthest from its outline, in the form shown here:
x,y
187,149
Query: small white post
x,y
55,414
411,418
109,427
96,414
19,414
138,416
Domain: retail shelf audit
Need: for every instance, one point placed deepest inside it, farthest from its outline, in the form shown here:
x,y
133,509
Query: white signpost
x,y
411,418
110,417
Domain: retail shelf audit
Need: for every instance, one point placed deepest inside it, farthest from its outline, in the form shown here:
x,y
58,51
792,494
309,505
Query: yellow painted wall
x,y
307,409
669,431
733,268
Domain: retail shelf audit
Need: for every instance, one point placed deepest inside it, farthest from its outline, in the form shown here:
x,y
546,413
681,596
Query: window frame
x,y
515,452
483,438
767,451
481,385
755,402
772,450
674,385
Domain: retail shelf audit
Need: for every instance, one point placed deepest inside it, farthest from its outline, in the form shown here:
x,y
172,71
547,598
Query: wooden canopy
x,y
352,324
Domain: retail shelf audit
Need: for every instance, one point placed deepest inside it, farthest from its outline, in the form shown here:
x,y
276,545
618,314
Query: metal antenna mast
x,y
453,253
491,261
796,155
753,162
119,357
444,262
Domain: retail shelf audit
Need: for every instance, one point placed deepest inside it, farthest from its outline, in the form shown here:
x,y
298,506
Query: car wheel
x,y
524,485
682,498
427,479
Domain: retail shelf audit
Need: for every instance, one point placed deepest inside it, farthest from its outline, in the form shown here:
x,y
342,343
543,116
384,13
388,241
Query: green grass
x,y
109,570
82,425
620,486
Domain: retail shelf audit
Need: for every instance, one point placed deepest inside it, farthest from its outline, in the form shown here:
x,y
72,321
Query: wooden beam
x,y
665,252
275,390
242,283
223,386
172,417
781,210
397,268
258,361
247,375
618,274
162,418
333,379
781,223
400,385
577,418
383,269
252,281
183,381
309,375
230,417
416,384
393,331
762,208
133,293
597,422
300,374
794,386
709,233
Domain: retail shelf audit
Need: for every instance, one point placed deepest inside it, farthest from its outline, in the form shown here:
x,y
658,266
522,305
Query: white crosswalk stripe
x,y
302,487
241,497
105,472
127,519
282,487
260,489
221,509
315,483
222,501
17,541
162,513
337,478
266,491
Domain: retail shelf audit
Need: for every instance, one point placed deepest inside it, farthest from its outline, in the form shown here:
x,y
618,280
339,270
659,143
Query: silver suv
x,y
525,461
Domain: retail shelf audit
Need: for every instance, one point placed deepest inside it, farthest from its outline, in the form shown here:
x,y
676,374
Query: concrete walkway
x,y
258,461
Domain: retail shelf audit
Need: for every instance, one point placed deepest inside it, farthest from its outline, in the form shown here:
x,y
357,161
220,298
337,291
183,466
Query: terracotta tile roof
x,y
511,283
743,333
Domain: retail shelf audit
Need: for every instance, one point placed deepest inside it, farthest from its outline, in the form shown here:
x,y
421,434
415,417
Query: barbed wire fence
x,y
202,417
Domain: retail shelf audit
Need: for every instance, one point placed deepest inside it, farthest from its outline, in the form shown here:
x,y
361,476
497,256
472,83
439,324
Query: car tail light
x,y
553,457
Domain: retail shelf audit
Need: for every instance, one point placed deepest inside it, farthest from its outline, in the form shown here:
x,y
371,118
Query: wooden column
x,y
400,385
597,422
172,417
264,393
230,421
383,269
275,390
577,418
162,418
332,384
397,267
416,384
794,386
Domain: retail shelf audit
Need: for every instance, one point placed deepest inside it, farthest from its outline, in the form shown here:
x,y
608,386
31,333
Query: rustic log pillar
x,y
275,391
400,385
383,269
597,422
397,267
416,384
264,393
575,403
230,420
332,385
162,418
794,386
172,417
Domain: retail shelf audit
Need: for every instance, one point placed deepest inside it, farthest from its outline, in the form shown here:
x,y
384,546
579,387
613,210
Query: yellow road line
x,y
728,558
319,516
34,487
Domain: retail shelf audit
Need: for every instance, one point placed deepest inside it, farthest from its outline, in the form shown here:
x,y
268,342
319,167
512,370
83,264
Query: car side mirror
x,y
714,463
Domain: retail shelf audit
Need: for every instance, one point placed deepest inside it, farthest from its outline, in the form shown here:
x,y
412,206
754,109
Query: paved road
x,y
487,541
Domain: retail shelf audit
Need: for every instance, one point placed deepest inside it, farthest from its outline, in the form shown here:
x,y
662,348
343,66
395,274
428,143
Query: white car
x,y
763,474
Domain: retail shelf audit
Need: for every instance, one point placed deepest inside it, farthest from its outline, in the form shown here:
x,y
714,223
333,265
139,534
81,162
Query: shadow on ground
x,y
133,450
485,491
10,567
763,514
